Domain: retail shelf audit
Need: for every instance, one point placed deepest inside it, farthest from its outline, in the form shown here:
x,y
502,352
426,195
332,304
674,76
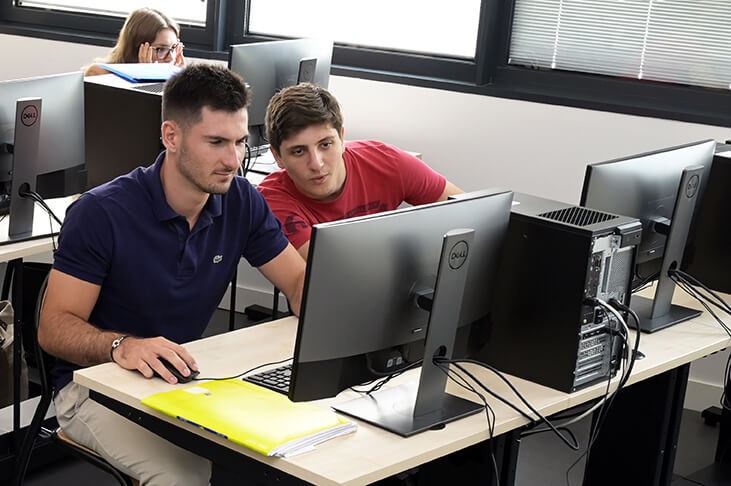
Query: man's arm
x,y
304,250
449,190
287,272
64,331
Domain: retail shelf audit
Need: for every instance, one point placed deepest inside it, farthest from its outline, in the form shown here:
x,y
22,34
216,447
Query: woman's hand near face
x,y
179,59
146,53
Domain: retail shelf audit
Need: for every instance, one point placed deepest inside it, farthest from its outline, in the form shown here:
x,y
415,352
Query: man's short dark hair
x,y
298,107
187,92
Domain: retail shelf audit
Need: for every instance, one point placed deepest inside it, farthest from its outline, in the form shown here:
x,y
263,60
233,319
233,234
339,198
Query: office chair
x,y
36,429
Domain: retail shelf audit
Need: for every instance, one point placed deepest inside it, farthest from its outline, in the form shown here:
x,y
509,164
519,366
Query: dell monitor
x,y
707,255
360,318
268,67
41,144
660,189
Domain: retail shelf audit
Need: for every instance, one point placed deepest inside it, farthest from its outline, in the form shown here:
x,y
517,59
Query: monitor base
x,y
393,409
677,314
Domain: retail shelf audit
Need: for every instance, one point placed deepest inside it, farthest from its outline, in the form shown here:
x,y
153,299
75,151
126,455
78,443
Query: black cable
x,y
198,378
608,400
724,396
385,379
644,281
603,412
53,238
572,412
27,193
488,410
528,433
573,446
594,430
620,306
690,290
694,282
684,281
506,402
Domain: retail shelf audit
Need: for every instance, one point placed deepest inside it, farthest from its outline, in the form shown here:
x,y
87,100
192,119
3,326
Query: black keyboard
x,y
150,88
276,379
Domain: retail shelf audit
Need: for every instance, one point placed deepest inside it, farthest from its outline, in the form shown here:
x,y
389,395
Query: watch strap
x,y
115,345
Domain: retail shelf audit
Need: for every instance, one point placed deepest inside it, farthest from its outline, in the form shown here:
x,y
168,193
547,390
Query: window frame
x,y
488,74
605,93
98,29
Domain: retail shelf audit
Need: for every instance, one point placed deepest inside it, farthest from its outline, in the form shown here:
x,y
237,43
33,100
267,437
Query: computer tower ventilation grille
x,y
578,216
621,270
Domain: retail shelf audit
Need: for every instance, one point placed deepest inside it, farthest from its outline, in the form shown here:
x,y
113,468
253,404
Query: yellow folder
x,y
253,416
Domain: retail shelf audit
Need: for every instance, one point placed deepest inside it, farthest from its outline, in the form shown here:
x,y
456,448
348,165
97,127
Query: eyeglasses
x,y
164,52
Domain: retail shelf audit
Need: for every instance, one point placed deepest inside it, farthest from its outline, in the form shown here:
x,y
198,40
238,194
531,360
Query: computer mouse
x,y
172,369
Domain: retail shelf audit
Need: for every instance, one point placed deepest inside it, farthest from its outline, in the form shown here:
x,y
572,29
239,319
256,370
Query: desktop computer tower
x,y
557,257
122,126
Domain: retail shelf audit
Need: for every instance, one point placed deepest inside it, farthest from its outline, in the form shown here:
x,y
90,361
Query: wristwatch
x,y
115,345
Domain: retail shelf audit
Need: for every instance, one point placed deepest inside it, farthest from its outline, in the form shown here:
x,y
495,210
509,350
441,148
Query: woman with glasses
x,y
148,35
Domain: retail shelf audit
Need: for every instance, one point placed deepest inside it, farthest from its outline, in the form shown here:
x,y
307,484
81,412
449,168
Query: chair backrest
x,y
44,362
35,276
30,340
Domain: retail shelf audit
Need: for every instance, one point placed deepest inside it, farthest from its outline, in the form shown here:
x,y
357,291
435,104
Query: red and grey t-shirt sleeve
x,y
421,184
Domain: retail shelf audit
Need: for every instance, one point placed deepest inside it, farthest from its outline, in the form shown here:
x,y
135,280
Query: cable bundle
x,y
24,191
707,297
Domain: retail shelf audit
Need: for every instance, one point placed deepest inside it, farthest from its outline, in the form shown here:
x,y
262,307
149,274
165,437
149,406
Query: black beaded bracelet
x,y
115,345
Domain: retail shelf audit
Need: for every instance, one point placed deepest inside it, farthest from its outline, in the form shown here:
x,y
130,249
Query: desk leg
x,y
472,465
17,301
639,438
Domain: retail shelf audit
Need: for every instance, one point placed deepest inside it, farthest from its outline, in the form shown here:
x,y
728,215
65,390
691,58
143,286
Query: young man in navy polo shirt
x,y
144,260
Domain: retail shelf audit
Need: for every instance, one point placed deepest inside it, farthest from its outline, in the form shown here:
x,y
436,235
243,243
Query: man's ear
x,y
172,135
342,133
276,157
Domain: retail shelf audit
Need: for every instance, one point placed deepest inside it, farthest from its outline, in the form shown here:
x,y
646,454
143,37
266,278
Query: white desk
x,y
371,453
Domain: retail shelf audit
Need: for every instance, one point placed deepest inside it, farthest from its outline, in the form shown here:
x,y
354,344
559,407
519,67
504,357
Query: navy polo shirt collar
x,y
160,207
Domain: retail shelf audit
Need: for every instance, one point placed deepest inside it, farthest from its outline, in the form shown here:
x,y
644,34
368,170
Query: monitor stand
x,y
659,312
25,158
406,409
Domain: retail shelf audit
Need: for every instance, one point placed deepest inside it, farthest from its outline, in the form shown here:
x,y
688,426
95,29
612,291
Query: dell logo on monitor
x,y
458,255
692,187
29,115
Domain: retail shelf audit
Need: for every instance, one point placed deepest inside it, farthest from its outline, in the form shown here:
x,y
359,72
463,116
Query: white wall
x,y
475,141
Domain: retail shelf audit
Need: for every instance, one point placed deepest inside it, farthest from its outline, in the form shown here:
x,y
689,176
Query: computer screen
x,y
268,67
647,186
49,153
359,319
707,256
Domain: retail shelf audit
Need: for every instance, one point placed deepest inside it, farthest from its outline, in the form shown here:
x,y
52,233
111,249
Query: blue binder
x,y
141,72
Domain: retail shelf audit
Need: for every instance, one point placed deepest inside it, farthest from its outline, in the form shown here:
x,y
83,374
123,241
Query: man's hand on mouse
x,y
142,354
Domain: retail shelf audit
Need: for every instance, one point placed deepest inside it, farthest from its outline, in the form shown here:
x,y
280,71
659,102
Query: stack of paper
x,y
253,416
142,72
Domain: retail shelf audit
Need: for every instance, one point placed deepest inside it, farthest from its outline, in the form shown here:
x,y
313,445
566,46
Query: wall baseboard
x,y
700,395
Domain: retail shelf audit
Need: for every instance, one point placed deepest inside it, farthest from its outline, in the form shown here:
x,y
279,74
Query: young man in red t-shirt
x,y
325,179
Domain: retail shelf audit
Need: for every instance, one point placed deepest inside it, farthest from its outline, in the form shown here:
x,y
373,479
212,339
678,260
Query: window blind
x,y
675,41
